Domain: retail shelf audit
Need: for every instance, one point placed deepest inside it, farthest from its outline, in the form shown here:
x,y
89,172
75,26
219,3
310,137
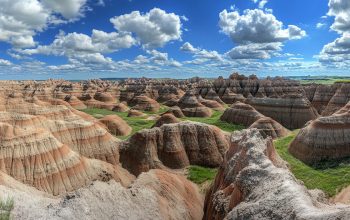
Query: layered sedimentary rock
x,y
174,146
242,114
191,105
144,103
154,195
339,99
292,111
116,125
135,113
326,138
166,119
176,111
253,183
270,128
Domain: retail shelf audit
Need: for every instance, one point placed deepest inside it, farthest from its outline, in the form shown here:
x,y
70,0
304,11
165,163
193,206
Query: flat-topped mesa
x,y
270,128
242,114
174,146
36,158
254,183
325,138
144,103
292,111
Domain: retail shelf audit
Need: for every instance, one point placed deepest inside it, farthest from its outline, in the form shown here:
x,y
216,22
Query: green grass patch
x,y
215,120
199,175
136,123
331,180
6,206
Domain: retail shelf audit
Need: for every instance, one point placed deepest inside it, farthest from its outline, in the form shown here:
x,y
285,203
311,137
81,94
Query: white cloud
x,y
255,51
69,9
153,29
337,53
256,26
5,62
201,55
77,43
340,10
21,20
320,25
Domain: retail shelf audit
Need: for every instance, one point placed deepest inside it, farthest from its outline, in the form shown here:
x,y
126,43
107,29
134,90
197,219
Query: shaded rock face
x,y
242,114
253,183
325,138
144,103
339,99
166,119
174,146
292,111
116,125
201,112
270,128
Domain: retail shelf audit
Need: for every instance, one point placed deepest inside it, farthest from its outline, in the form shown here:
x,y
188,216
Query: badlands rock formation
x,y
166,119
143,103
192,107
116,125
253,183
174,146
270,128
291,111
325,138
242,114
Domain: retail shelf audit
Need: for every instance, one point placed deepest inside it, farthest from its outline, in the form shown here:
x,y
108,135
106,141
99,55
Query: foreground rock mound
x,y
326,138
253,183
154,195
174,146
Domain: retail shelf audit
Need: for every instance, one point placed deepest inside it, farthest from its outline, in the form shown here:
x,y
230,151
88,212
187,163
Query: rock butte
x,y
325,138
174,146
116,125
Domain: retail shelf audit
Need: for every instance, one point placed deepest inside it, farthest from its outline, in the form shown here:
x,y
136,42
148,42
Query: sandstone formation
x,y
176,111
241,114
116,125
135,113
291,111
166,119
144,103
174,146
253,183
192,107
326,138
270,128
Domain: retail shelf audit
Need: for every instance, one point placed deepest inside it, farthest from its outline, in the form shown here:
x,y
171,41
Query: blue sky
x,y
81,39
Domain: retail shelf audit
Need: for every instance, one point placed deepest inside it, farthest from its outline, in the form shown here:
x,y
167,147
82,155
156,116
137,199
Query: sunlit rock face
x,y
254,183
326,138
174,146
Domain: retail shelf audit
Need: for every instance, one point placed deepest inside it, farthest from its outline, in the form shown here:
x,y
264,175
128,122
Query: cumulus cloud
x,y
320,25
201,55
256,26
20,20
5,62
153,29
257,33
337,53
255,51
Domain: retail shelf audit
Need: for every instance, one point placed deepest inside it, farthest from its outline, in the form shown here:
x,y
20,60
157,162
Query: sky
x,y
84,39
